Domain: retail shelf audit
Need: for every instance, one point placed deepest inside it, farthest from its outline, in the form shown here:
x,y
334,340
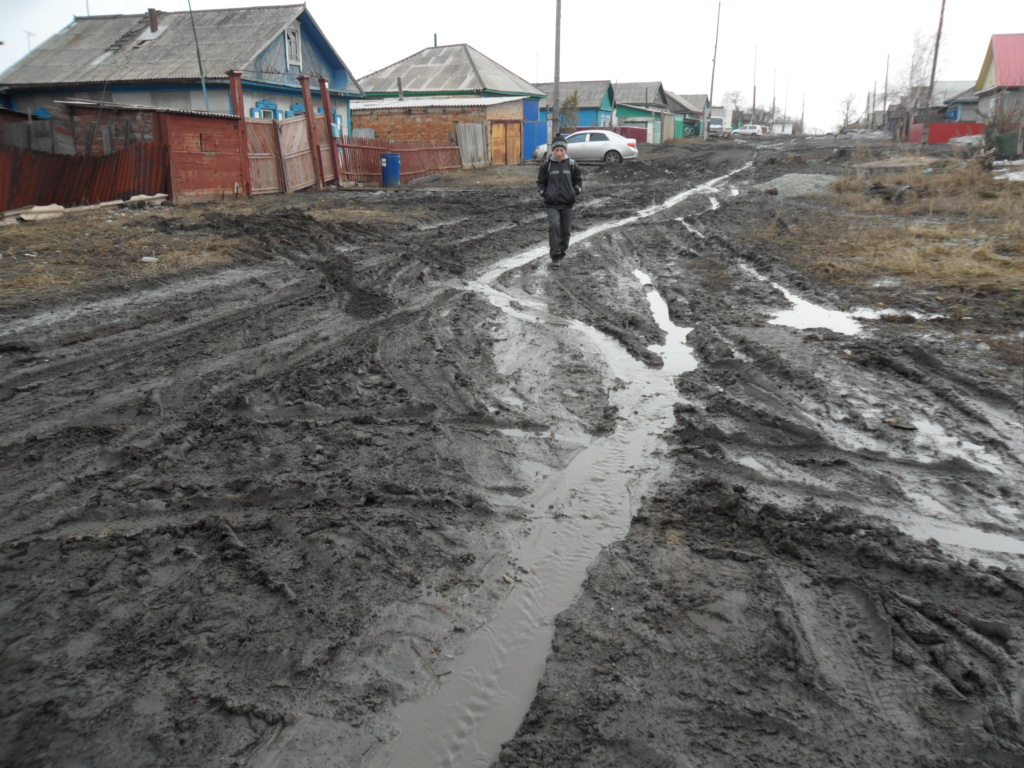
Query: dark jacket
x,y
559,182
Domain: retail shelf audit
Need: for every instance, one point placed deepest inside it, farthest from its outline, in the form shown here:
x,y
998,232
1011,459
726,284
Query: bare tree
x,y
848,113
911,85
733,99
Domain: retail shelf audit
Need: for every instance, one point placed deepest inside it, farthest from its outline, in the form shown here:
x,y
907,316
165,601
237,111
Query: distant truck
x,y
720,121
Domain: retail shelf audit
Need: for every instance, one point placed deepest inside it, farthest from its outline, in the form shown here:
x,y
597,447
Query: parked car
x,y
595,146
749,130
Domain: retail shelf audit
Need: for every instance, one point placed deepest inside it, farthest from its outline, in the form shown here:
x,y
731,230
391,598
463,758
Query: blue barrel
x,y
391,169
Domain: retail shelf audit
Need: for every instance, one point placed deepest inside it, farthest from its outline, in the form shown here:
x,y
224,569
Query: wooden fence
x,y
361,159
29,177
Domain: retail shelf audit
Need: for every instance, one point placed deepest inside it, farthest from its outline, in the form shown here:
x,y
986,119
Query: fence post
x,y
238,107
314,145
325,99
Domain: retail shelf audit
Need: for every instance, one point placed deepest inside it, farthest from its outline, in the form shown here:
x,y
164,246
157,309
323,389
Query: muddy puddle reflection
x,y
575,512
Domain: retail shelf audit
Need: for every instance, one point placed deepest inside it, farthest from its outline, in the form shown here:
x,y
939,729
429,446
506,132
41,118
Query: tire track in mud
x,y
589,504
768,612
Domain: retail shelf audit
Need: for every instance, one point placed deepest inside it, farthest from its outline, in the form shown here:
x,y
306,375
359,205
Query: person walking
x,y
560,182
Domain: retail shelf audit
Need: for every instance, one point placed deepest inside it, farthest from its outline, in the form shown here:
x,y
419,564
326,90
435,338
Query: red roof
x,y
1008,52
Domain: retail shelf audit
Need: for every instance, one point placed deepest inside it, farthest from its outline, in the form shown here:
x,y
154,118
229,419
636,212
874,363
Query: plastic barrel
x,y
391,169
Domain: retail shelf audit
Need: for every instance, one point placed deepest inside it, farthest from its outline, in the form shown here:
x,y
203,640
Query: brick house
x,y
427,96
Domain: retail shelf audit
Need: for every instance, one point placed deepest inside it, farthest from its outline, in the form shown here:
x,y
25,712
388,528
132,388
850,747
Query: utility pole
x,y
931,83
753,105
556,116
28,39
711,90
885,93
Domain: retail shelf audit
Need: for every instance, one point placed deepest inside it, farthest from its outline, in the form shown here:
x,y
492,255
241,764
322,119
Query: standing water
x,y
480,705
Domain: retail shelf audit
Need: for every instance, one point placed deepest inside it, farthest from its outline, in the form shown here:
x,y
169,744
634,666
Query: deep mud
x,y
253,514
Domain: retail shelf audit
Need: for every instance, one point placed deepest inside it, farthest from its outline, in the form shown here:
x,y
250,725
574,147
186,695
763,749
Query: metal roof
x,y
675,101
422,102
640,93
141,108
591,92
121,49
1004,63
447,69
696,99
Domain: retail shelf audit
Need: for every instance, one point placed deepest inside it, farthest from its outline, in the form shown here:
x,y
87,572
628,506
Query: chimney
x,y
152,20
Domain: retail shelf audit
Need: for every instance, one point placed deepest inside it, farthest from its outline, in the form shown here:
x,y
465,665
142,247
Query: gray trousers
x,y
559,226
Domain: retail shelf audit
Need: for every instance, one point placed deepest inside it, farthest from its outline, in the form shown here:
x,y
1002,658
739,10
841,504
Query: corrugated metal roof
x,y
676,101
115,49
639,93
696,99
591,92
1004,63
1009,56
142,108
447,69
421,102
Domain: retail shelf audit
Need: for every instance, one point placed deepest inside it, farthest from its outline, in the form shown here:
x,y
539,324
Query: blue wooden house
x,y
596,101
152,60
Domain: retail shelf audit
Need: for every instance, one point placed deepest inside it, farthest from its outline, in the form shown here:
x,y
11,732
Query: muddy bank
x,y
253,508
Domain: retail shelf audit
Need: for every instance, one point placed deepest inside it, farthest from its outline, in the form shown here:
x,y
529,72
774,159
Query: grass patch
x,y
956,227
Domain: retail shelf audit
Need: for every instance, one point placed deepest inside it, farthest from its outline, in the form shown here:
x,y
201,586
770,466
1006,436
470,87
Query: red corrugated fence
x,y
29,178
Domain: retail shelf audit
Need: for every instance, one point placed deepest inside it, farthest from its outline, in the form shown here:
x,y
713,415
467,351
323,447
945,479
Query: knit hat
x,y
559,143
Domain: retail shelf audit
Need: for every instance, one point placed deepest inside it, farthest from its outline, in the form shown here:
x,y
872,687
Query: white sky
x,y
811,54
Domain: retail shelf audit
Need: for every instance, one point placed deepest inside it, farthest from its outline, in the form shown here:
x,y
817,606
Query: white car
x,y
749,130
595,146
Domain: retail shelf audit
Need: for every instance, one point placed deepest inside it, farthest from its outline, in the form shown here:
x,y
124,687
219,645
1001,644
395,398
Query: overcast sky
x,y
810,54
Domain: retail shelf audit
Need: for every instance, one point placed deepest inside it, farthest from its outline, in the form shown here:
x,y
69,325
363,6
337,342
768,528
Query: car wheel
x,y
613,157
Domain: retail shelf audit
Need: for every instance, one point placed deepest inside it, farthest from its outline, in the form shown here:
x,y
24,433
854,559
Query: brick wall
x,y
510,110
432,124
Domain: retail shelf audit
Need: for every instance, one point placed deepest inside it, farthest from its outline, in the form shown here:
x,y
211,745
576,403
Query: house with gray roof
x,y
595,105
461,77
181,60
642,105
446,70
685,118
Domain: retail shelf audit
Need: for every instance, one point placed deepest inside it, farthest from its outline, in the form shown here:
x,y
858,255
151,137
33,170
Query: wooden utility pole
x,y
711,91
931,83
556,116
753,105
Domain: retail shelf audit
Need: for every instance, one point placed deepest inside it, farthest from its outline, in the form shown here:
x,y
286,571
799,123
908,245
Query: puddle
x,y
676,355
576,512
805,315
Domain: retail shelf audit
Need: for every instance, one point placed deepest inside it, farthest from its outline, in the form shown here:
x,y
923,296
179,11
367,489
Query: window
x,y
293,46
579,138
598,137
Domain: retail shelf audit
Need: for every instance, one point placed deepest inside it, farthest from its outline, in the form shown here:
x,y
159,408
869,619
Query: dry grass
x,y
47,259
955,227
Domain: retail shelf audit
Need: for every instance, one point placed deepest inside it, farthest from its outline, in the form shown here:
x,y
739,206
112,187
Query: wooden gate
x,y
280,159
472,144
296,158
506,142
325,145
264,156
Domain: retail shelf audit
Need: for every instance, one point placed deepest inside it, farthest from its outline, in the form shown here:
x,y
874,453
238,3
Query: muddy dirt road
x,y
389,489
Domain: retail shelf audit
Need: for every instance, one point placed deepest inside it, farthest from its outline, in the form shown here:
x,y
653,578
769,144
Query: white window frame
x,y
293,46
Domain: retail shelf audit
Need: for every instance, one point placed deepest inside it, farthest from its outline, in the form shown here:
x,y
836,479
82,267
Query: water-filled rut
x,y
579,510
